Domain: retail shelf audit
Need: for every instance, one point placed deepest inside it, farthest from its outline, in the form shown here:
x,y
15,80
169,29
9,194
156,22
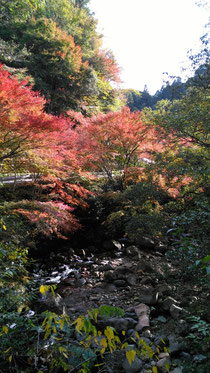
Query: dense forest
x,y
104,203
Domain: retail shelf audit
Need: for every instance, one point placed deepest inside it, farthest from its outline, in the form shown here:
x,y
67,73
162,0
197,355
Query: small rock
x,y
120,324
157,253
131,279
81,281
177,370
111,288
130,332
147,281
168,302
175,311
162,363
161,341
146,242
141,309
163,355
110,276
143,312
185,355
52,303
162,319
145,266
131,322
164,289
161,247
120,283
148,334
199,357
106,267
175,345
111,245
148,296
133,252
131,314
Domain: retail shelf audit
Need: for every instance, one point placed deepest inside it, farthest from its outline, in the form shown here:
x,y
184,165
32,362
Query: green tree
x,y
58,45
185,123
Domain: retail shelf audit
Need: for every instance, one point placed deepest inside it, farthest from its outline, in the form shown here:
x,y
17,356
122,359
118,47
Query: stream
x,y
145,283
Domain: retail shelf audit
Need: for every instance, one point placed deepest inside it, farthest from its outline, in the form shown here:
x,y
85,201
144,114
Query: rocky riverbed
x,y
148,284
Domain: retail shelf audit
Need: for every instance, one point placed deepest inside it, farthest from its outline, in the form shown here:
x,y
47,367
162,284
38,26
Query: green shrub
x,y
139,210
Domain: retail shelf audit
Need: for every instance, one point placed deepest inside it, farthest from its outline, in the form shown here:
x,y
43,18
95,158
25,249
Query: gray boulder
x,y
143,312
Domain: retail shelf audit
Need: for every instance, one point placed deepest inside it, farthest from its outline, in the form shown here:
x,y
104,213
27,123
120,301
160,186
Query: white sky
x,y
149,37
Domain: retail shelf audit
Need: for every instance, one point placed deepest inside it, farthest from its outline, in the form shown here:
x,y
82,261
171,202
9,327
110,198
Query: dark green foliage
x,y
139,210
138,100
57,44
190,235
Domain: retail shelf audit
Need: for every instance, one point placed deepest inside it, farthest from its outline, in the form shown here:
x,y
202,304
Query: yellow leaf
x,y
4,227
47,334
10,359
43,289
123,332
137,335
167,366
130,355
61,324
47,326
125,345
5,352
104,344
5,329
109,333
154,369
79,323
20,308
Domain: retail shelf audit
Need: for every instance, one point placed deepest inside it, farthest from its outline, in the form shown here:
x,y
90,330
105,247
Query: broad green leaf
x,y
206,259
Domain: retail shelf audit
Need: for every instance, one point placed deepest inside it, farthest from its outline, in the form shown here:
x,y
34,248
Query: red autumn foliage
x,y
32,140
118,141
63,148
